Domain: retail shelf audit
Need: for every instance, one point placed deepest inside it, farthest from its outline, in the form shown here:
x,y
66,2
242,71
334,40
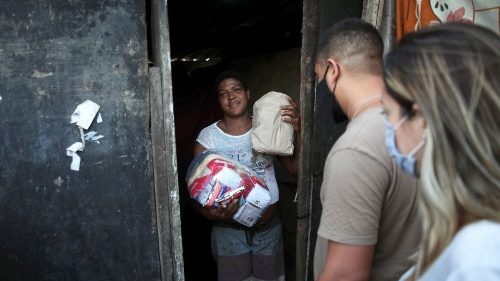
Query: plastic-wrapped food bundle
x,y
270,135
214,180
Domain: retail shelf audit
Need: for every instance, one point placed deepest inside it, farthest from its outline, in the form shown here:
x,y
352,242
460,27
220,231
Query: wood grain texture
x,y
168,205
310,22
373,11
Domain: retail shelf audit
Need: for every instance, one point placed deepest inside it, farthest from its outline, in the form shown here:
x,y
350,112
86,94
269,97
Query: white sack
x,y
270,135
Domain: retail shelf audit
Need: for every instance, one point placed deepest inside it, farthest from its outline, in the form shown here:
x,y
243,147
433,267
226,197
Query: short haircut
x,y
355,43
227,75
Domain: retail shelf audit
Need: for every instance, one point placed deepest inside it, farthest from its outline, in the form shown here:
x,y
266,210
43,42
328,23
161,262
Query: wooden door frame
x,y
167,207
383,18
310,30
163,133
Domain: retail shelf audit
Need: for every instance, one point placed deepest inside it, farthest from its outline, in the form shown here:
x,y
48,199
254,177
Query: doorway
x,y
262,40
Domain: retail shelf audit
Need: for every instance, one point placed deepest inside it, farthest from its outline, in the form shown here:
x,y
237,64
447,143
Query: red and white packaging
x,y
214,180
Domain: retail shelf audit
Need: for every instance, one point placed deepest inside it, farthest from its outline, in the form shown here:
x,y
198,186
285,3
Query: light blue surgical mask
x,y
406,162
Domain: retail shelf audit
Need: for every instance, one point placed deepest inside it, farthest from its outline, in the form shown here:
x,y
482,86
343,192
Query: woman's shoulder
x,y
473,254
476,244
210,128
478,231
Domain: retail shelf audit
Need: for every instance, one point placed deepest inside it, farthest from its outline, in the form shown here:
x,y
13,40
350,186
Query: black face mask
x,y
322,89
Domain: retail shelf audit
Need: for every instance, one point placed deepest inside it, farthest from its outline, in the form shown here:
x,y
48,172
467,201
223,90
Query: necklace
x,y
363,104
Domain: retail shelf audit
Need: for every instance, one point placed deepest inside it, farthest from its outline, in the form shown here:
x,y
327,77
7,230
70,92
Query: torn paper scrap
x,y
85,113
41,74
92,136
72,152
99,118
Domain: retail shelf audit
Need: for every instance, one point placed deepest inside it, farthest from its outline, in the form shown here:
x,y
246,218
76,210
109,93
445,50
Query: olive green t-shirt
x,y
368,200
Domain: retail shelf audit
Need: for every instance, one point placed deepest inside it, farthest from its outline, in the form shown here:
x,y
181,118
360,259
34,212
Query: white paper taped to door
x,y
84,114
72,152
270,135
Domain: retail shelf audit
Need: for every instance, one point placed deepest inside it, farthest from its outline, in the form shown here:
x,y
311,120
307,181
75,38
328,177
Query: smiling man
x,y
245,253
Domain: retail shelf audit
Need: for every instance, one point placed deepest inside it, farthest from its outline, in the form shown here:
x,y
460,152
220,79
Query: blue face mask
x,y
406,162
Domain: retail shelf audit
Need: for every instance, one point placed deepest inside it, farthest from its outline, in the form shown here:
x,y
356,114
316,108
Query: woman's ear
x,y
415,107
417,114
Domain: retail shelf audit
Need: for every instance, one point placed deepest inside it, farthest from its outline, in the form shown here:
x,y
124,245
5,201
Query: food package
x,y
270,135
214,180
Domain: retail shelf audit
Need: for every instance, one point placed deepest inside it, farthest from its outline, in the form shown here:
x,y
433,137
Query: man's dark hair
x,y
354,42
227,75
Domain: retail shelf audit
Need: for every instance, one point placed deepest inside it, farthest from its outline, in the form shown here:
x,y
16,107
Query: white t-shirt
x,y
472,255
239,148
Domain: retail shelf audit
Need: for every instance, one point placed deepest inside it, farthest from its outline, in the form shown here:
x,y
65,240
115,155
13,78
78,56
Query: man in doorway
x,y
245,253
369,225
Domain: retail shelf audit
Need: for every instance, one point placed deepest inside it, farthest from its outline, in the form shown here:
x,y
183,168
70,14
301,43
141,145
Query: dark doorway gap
x,y
223,32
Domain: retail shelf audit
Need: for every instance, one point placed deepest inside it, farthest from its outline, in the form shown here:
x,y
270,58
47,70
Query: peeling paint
x,y
59,181
133,47
143,69
174,194
40,74
93,137
87,86
119,69
132,103
66,33
40,91
171,107
129,93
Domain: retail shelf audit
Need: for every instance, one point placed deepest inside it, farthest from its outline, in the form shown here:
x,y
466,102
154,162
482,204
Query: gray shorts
x,y
242,255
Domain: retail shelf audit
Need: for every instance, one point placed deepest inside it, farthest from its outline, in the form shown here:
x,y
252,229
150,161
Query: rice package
x,y
213,180
270,135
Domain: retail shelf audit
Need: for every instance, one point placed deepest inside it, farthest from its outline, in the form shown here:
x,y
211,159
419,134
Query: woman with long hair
x,y
442,108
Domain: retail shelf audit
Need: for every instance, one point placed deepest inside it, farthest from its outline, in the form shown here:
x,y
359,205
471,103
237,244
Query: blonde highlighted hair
x,y
452,72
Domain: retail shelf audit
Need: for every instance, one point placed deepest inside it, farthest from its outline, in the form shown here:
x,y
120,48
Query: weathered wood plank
x,y
310,24
373,11
381,14
388,28
160,173
168,206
